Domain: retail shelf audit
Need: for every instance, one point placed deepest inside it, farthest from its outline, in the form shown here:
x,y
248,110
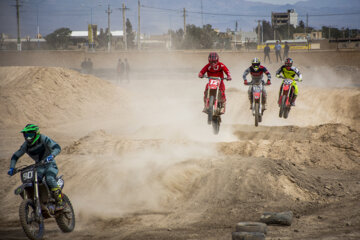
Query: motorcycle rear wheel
x,y
66,219
33,228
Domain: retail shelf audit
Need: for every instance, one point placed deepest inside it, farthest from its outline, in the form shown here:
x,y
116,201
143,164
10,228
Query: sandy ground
x,y
140,162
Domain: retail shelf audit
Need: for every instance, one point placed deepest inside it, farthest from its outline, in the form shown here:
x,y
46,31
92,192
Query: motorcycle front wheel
x,y
216,124
211,109
282,106
33,226
66,218
257,114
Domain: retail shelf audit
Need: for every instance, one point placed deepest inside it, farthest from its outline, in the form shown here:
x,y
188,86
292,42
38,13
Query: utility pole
x,y
109,36
258,32
138,32
307,23
124,26
184,23
262,32
18,26
202,17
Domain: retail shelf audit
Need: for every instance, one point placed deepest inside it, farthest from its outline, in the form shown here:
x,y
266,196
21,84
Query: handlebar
x,y
19,169
225,78
295,79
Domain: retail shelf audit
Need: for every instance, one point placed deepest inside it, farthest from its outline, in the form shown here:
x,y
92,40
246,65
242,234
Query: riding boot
x,y
205,109
293,100
58,198
222,109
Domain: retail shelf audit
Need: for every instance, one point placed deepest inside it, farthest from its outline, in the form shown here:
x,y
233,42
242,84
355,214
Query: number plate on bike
x,y
288,81
214,83
27,176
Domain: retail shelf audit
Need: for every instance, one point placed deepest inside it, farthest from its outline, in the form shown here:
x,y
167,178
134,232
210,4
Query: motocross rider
x,y
256,70
215,69
41,149
289,71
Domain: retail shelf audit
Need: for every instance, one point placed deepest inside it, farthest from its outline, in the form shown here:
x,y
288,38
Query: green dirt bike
x,y
39,204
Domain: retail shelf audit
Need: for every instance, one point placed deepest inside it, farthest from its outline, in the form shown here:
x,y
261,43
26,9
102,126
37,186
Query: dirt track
x,y
140,162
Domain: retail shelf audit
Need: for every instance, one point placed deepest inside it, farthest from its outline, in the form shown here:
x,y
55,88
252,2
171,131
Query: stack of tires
x,y
250,231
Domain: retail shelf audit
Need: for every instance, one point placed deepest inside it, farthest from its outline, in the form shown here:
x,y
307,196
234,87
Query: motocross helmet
x,y
31,133
288,63
255,63
213,58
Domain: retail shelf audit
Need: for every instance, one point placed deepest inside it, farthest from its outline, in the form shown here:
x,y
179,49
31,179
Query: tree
x,y
60,38
130,36
267,32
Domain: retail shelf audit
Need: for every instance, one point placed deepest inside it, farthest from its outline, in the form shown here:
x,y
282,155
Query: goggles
x,y
29,135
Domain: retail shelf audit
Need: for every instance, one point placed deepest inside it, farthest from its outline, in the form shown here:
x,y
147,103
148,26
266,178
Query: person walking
x,y
278,51
267,53
286,50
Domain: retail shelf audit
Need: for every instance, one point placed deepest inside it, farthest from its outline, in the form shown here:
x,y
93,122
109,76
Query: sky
x,y
158,16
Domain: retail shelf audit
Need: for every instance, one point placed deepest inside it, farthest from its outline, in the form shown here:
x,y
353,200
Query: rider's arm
x,y
297,72
246,72
18,154
279,71
267,73
226,70
53,146
204,69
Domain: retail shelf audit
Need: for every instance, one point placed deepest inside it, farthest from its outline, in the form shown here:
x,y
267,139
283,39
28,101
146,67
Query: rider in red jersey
x,y
215,69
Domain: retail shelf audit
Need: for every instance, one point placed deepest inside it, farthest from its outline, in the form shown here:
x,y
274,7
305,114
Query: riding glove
x,y
245,82
201,75
11,171
50,158
268,82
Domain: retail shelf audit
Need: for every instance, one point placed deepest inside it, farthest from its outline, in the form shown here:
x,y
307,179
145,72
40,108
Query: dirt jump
x,y
140,161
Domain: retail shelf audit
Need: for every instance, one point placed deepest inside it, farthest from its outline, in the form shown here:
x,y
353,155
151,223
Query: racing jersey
x,y
257,76
215,71
289,73
38,152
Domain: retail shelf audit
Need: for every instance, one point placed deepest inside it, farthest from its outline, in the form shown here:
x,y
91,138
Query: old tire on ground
x,y
281,218
248,236
33,229
251,227
66,220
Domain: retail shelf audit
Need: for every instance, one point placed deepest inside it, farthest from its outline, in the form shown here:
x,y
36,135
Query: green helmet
x,y
31,133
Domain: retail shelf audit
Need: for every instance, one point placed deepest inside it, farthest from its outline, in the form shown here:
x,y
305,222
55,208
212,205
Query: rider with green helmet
x,y
41,149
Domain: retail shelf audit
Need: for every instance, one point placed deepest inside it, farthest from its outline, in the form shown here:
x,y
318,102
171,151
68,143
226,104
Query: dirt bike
x,y
257,108
285,97
213,105
39,204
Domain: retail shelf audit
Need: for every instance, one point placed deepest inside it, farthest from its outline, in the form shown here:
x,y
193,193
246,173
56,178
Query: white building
x,y
284,18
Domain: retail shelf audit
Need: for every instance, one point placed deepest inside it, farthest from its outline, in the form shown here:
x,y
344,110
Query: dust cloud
x,y
139,159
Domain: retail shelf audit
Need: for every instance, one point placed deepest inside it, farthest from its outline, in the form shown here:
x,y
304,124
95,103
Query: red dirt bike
x,y
285,97
257,108
213,105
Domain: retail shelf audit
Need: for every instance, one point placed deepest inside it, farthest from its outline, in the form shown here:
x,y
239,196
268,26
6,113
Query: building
x,y
241,39
284,18
314,35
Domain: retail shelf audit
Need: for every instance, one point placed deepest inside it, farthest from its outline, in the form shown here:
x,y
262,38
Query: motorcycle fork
x,y
36,195
253,102
216,98
208,97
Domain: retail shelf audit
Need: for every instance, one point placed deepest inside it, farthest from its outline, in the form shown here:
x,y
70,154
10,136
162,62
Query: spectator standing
x,y
127,70
286,50
267,53
278,51
120,70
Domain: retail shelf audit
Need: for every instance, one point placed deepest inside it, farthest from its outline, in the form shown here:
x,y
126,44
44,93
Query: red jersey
x,y
215,71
